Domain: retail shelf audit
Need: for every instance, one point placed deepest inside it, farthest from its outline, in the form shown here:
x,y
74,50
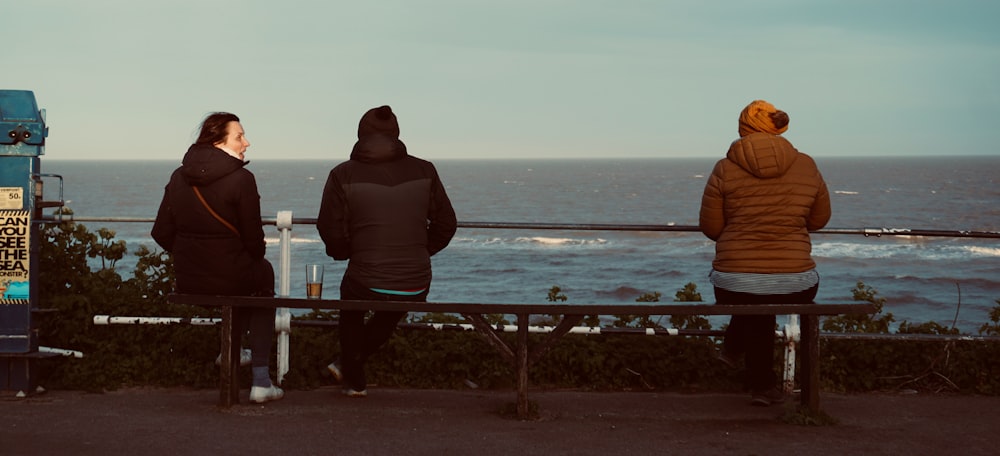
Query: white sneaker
x,y
262,394
245,356
351,392
335,371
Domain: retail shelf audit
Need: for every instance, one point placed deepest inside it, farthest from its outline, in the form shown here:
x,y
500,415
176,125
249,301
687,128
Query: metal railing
x,y
866,231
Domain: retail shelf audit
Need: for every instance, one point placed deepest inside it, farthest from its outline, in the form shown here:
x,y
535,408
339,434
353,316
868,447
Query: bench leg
x,y
522,366
517,357
483,328
520,357
810,362
565,325
229,387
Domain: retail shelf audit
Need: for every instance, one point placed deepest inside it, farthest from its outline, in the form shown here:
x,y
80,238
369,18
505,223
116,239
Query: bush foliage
x,y
81,281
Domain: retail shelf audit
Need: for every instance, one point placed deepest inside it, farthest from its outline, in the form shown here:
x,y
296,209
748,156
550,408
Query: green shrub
x,y
993,327
115,356
867,365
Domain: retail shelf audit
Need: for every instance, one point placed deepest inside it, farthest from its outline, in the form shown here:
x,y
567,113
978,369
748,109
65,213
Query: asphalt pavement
x,y
153,422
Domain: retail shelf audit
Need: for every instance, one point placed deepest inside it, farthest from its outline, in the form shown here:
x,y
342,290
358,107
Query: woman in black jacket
x,y
209,220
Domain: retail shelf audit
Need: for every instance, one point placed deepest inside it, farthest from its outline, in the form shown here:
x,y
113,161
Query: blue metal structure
x,y
22,141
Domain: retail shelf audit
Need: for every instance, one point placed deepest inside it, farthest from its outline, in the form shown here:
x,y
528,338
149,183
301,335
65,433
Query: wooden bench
x,y
520,355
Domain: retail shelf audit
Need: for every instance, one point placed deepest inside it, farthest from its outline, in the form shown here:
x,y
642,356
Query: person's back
x,y
759,205
389,197
209,219
210,258
387,213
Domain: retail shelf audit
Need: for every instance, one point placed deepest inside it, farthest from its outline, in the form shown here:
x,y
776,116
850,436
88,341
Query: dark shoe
x,y
353,374
767,398
730,361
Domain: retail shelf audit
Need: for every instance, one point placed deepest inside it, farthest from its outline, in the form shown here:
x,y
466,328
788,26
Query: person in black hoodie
x,y
386,212
209,219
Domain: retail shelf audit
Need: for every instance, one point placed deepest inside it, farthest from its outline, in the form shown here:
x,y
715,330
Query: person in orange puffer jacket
x,y
759,205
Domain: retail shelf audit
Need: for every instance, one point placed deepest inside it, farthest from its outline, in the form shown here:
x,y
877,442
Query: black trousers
x,y
359,339
259,323
753,335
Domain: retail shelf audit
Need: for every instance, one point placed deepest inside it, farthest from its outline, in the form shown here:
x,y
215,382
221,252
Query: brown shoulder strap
x,y
217,217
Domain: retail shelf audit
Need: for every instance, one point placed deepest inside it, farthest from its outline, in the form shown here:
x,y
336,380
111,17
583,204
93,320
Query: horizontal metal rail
x,y
867,231
105,320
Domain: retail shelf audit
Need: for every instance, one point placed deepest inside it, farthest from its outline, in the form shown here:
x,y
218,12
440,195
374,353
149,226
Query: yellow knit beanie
x,y
761,116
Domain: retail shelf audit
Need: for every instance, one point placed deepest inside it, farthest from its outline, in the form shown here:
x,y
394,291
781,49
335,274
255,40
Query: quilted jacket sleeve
x,y
712,218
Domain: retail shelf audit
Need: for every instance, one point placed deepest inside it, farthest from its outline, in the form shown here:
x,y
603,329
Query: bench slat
x,y
530,308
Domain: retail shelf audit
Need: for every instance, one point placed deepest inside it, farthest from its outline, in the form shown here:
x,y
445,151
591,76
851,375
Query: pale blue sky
x,y
509,79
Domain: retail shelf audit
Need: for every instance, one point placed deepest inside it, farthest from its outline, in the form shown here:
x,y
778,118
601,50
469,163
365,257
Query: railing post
x,y
283,316
792,337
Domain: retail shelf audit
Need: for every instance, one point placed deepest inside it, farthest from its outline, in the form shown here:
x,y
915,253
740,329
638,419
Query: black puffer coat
x,y
209,258
388,213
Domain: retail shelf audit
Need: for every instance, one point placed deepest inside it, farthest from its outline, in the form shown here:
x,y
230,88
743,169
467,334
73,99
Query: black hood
x,y
378,148
204,164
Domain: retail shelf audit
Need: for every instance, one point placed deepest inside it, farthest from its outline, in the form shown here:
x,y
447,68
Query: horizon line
x,y
554,158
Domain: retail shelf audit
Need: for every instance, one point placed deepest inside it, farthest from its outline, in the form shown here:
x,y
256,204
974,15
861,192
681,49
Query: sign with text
x,y
11,198
14,257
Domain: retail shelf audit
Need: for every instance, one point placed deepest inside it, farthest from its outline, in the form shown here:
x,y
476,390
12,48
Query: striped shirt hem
x,y
764,284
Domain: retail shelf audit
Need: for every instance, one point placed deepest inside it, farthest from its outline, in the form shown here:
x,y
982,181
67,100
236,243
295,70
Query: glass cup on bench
x,y
314,281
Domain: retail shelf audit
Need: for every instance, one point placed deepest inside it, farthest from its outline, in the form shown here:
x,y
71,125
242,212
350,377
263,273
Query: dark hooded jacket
x,y
209,258
759,205
384,210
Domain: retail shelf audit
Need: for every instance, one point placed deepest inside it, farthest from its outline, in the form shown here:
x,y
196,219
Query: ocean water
x,y
923,278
